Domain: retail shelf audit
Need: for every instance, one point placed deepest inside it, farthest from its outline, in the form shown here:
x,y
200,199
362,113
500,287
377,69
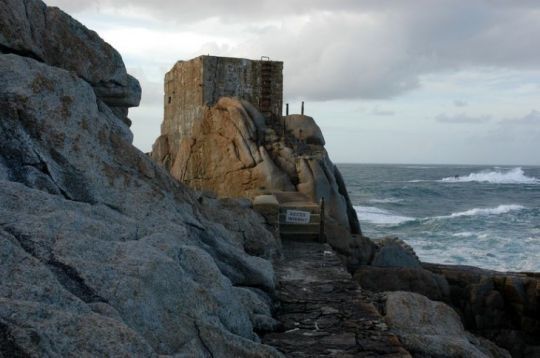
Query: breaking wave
x,y
380,216
501,209
386,200
497,176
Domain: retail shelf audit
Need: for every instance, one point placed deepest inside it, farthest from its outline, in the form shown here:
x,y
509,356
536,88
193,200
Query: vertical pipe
x,y
322,237
287,109
302,112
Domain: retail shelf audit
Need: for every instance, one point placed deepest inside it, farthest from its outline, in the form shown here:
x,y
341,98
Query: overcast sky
x,y
419,81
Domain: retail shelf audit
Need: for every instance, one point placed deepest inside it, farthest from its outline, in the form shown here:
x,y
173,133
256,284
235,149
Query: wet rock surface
x,y
323,312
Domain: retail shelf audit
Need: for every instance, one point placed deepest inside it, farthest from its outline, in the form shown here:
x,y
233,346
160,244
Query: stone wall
x,y
192,86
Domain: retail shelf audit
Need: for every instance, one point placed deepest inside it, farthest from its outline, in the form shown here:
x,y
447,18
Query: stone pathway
x,y
323,312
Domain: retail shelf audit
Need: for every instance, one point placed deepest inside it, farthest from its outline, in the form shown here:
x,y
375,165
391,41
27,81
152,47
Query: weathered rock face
x,y
502,306
379,279
235,152
102,252
31,29
432,329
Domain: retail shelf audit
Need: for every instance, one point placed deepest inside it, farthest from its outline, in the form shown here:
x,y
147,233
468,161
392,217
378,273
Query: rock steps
x,y
323,312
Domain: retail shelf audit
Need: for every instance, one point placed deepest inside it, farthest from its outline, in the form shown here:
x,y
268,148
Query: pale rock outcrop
x,y
102,252
304,129
235,152
433,329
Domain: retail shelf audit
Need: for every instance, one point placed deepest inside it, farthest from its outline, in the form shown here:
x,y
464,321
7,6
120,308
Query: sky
x,y
418,81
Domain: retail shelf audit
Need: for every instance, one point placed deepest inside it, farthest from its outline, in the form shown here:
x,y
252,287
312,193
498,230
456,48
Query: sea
x,y
485,216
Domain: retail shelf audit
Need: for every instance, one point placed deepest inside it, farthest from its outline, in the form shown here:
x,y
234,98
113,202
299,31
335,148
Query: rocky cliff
x,y
234,151
102,252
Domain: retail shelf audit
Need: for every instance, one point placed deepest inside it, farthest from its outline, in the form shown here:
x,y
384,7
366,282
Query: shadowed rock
x,y
102,252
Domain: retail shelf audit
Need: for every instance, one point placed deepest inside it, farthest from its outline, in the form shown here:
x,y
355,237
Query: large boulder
x,y
31,29
379,279
502,306
304,129
233,152
393,252
433,329
102,252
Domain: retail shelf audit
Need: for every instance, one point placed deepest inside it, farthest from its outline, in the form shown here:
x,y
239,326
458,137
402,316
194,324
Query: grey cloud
x,y
383,112
360,48
530,119
521,132
460,103
462,118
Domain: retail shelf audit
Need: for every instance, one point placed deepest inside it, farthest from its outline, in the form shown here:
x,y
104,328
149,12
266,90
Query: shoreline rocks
x,y
503,307
433,329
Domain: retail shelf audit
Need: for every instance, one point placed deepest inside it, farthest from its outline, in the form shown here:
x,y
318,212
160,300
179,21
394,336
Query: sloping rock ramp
x,y
323,313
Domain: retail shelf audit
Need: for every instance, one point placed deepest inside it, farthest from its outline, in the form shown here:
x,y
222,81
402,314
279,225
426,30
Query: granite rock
x,y
304,129
379,279
32,29
433,329
393,252
103,252
232,151
501,306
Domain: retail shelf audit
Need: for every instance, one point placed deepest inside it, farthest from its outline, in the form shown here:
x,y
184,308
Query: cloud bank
x,y
354,49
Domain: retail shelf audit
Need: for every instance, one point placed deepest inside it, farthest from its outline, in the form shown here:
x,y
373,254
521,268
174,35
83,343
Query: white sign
x,y
297,217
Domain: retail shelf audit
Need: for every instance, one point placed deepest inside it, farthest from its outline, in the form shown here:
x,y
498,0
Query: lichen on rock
x,y
102,252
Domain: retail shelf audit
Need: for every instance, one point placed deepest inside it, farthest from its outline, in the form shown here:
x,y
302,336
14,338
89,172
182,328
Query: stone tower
x,y
192,86
223,132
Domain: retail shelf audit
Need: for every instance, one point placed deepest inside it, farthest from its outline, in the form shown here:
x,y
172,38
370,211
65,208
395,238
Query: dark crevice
x,y
73,282
114,208
195,226
23,53
22,240
66,275
8,346
44,168
206,348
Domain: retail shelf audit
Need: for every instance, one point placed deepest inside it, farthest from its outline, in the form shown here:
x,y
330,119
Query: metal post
x,y
322,237
287,109
302,112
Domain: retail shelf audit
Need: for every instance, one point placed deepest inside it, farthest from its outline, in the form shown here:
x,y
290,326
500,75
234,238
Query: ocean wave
x,y
418,167
464,234
501,209
497,176
379,216
385,200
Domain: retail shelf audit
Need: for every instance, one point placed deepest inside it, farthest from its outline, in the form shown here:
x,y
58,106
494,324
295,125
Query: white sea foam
x,y
379,216
497,176
464,234
386,200
501,209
